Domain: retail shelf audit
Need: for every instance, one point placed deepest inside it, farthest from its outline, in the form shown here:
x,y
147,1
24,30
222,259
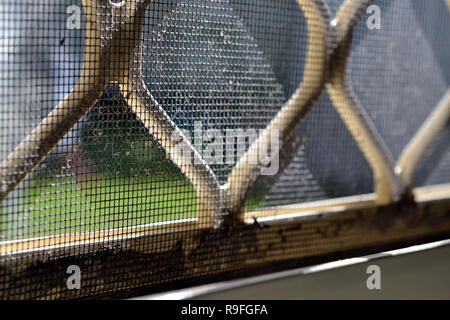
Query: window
x,y
157,141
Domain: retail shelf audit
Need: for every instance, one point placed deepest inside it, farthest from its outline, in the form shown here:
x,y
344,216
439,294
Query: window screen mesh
x,y
141,141
400,73
435,167
322,161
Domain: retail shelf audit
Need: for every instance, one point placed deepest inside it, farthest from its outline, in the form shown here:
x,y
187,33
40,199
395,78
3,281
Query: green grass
x,y
61,206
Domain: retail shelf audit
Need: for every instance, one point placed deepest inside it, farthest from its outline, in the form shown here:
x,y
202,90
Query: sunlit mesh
x,y
434,169
221,69
131,134
322,162
40,62
400,72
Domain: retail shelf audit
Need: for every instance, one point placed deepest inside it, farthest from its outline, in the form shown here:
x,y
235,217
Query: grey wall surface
x,y
420,275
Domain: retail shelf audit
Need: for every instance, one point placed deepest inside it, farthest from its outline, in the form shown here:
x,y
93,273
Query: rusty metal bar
x,y
176,145
30,152
419,144
339,28
158,123
249,165
387,185
347,16
105,41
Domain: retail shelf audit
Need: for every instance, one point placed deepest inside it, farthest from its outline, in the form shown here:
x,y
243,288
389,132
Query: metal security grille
x,y
152,143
